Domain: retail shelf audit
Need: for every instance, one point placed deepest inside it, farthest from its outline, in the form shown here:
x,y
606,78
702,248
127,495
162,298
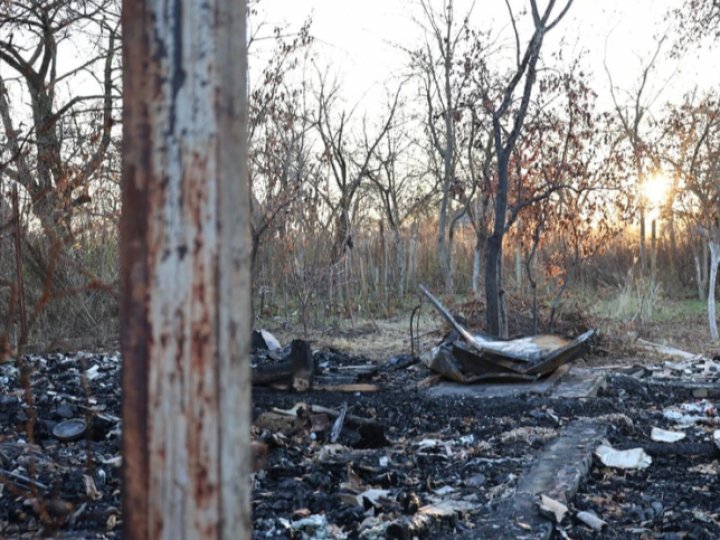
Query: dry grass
x,y
678,323
376,339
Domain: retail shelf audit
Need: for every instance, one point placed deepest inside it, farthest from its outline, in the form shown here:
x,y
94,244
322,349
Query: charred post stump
x,y
295,371
185,271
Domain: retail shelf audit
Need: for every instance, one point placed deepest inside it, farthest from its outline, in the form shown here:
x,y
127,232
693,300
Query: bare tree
x,y
277,134
635,122
443,85
681,148
694,149
349,161
478,167
185,272
507,125
401,192
698,19
562,175
57,156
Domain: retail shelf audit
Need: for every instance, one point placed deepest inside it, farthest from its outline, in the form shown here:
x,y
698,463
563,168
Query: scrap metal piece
x,y
415,331
338,425
477,357
70,430
262,340
572,350
460,329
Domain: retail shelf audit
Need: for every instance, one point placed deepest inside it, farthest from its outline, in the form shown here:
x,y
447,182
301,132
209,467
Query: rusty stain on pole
x,y
185,271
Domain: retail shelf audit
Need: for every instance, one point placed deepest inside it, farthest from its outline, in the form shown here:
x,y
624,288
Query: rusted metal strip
x,y
22,340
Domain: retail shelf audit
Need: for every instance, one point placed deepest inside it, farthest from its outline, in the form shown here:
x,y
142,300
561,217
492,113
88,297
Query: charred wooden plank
x,y
556,473
700,449
296,370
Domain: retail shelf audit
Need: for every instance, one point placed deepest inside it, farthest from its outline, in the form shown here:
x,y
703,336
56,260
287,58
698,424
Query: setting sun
x,y
656,189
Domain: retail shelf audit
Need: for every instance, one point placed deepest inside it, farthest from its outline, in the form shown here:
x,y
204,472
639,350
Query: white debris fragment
x,y
271,341
316,527
552,508
429,443
93,373
115,461
467,439
446,508
689,414
372,496
716,438
373,528
91,489
681,419
591,520
685,367
703,407
444,490
635,458
528,433
666,436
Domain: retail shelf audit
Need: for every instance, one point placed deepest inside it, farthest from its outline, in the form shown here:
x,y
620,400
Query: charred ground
x,y
406,462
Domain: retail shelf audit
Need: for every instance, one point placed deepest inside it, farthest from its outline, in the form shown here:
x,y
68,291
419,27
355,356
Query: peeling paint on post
x,y
185,271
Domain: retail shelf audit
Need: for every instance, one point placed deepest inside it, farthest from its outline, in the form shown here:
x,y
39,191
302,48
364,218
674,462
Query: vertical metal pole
x,y
653,252
22,340
185,275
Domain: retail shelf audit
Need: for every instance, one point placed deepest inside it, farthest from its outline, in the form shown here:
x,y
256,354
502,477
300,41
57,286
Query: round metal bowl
x,y
70,430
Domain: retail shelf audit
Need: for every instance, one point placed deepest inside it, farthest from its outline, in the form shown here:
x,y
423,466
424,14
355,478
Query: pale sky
x,y
355,39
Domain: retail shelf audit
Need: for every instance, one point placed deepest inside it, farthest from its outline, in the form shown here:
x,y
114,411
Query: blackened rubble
x,y
473,466
406,462
60,446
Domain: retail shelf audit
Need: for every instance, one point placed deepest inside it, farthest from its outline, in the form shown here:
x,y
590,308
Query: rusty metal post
x,y
22,340
185,275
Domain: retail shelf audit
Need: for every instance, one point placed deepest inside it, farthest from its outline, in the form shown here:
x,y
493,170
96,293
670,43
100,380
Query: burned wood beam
x,y
673,352
557,473
280,373
319,409
699,449
303,364
349,387
696,389
21,481
349,418
296,370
